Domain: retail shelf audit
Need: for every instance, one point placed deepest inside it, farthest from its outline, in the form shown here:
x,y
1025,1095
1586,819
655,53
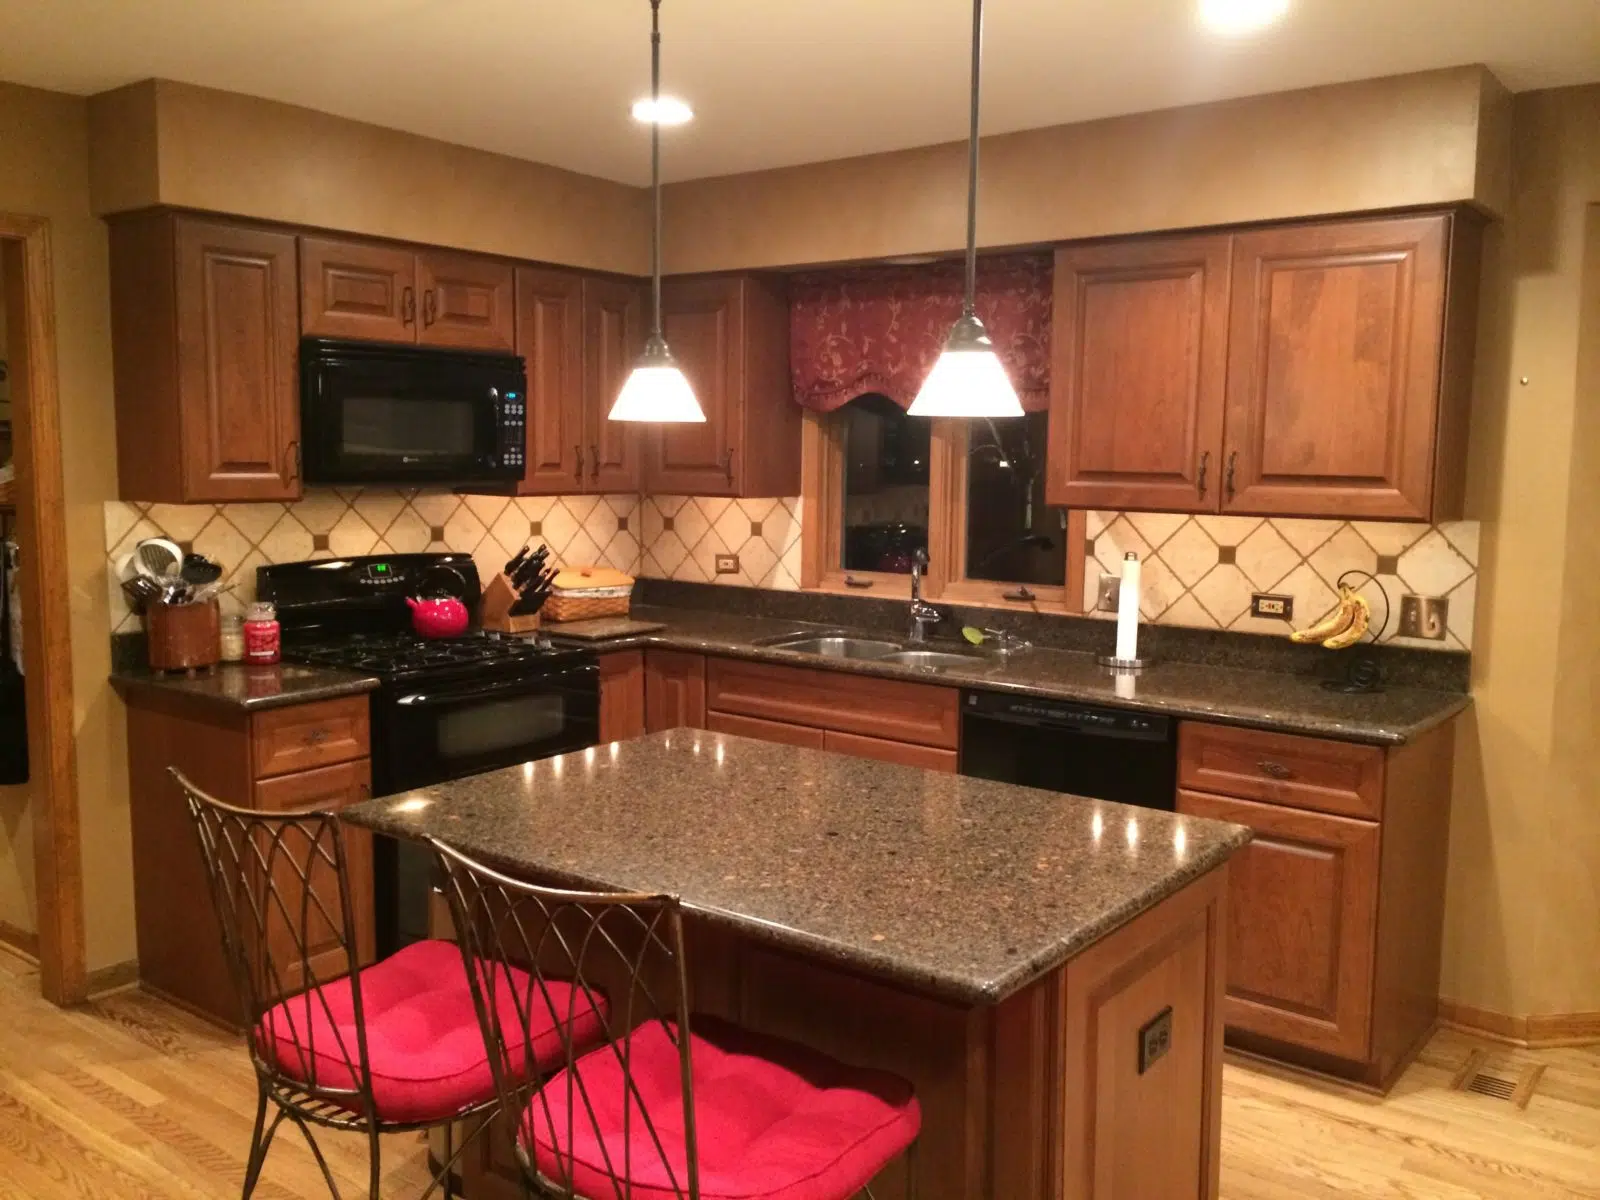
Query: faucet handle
x,y
920,557
1006,640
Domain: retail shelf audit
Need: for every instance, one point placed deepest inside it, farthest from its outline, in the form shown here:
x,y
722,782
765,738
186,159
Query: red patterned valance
x,y
880,328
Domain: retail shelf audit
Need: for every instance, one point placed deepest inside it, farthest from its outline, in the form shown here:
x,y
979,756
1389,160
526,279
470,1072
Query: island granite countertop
x,y
960,888
1231,695
235,686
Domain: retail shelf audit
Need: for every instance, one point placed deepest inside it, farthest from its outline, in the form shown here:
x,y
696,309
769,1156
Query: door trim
x,y
47,651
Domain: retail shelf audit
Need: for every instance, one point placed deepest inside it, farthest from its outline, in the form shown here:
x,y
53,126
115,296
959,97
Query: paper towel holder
x,y
1119,666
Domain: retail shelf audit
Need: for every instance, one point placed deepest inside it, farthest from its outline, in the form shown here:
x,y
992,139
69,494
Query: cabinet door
x,y
325,788
766,731
1333,371
621,695
613,335
1139,374
550,339
906,754
674,690
703,320
238,376
465,301
1302,923
358,290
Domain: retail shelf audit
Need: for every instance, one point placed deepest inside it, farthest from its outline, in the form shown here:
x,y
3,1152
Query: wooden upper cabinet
x,y
550,340
205,346
351,289
613,336
1139,373
730,334
1334,398
465,301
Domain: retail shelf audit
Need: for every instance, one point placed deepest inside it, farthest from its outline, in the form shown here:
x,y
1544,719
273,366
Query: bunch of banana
x,y
1344,626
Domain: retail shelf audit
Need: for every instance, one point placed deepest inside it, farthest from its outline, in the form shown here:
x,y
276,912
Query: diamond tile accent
x,y
1433,567
1225,594
1156,528
1190,553
1265,557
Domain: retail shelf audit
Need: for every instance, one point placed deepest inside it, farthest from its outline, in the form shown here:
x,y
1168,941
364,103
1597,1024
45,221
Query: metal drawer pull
x,y
852,581
315,737
1276,770
1205,467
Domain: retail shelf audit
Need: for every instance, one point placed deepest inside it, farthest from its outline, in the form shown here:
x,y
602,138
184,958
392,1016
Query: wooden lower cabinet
x,y
1301,920
783,732
873,707
622,692
907,754
299,756
674,690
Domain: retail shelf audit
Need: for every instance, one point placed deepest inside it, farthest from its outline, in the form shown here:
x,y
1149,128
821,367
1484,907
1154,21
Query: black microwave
x,y
373,413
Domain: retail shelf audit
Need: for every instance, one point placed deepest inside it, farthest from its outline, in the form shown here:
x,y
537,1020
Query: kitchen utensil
x,y
516,560
183,637
159,557
198,569
141,590
437,611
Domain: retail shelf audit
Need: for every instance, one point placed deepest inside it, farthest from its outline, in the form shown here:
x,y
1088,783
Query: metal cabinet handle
x,y
1233,463
1022,593
291,461
594,460
430,307
1205,466
727,464
578,450
851,581
1276,769
408,306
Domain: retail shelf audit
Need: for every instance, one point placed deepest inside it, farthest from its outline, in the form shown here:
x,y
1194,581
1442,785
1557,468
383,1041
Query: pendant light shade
x,y
968,379
656,390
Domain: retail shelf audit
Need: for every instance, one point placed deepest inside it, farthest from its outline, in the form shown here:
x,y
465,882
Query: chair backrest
x,y
282,897
541,957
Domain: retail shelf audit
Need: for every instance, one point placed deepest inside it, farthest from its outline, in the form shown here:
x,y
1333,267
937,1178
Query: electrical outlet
x,y
1110,593
1424,617
727,564
1271,605
1155,1039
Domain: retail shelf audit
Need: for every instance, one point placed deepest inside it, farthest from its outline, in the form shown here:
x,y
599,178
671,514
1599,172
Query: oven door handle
x,y
544,685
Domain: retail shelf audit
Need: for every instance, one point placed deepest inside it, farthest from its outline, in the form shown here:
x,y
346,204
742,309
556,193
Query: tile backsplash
x,y
1201,570
1197,570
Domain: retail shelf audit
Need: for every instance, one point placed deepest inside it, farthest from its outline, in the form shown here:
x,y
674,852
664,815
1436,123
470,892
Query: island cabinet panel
x,y
887,709
236,756
1139,339
782,732
907,754
206,372
674,690
622,691
356,289
1303,917
1281,768
1334,368
466,301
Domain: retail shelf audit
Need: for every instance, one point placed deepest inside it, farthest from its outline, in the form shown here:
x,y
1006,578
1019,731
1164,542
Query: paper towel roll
x,y
1128,609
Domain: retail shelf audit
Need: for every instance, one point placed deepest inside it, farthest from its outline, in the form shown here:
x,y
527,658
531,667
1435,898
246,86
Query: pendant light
x,y
657,389
968,379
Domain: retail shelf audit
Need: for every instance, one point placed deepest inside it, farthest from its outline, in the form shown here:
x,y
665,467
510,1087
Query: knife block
x,y
498,598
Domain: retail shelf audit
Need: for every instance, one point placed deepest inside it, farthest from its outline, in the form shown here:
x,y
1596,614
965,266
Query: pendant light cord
x,y
655,169
968,306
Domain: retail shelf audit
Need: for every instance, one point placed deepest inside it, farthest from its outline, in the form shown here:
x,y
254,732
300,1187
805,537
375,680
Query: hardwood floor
x,y
128,1098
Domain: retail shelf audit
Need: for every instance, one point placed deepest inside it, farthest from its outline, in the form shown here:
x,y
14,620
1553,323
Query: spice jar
x,y
232,639
261,635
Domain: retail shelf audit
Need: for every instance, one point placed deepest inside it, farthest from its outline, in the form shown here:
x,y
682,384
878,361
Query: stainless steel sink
x,y
840,647
930,659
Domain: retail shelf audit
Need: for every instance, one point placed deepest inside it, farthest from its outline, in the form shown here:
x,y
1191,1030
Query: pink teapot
x,y
439,615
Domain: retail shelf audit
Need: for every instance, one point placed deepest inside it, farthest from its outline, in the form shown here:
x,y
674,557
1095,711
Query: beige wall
x,y
1385,143
44,171
160,142
1523,932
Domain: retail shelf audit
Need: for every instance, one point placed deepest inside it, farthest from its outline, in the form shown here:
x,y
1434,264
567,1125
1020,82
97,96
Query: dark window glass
x,y
885,485
1012,535
412,430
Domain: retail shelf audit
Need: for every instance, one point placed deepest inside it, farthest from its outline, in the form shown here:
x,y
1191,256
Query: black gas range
x,y
444,708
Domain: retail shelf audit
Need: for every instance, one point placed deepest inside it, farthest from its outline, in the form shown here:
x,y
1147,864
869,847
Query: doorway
x,y
39,818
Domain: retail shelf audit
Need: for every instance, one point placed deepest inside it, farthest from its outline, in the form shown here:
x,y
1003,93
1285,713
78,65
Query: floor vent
x,y
1497,1079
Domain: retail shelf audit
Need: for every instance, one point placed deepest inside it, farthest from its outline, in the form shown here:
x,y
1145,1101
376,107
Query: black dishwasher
x,y
1108,753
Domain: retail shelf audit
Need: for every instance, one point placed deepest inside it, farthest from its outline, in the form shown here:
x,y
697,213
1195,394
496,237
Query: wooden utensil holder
x,y
183,637
498,598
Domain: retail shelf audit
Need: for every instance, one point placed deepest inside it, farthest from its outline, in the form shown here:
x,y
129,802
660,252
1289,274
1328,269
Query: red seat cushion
x,y
424,1044
774,1120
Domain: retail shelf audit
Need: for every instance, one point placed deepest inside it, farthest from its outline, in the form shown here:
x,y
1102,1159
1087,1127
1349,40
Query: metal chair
x,y
656,1110
280,885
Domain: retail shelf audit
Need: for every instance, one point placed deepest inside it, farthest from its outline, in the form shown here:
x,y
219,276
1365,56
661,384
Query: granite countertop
x,y
230,685
1233,695
957,887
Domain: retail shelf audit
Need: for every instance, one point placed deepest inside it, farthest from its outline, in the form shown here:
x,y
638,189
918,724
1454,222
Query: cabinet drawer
x,y
766,731
1282,768
904,753
884,708
304,736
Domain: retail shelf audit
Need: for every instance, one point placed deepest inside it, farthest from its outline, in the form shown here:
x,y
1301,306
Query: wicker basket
x,y
584,593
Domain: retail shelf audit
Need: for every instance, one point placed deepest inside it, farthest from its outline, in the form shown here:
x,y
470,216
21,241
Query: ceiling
x,y
773,82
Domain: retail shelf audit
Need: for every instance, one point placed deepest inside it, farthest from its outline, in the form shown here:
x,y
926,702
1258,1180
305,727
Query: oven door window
x,y
433,735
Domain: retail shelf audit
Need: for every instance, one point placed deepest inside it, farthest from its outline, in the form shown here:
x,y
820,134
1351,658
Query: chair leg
x,y
258,1148
449,1161
374,1181
911,1171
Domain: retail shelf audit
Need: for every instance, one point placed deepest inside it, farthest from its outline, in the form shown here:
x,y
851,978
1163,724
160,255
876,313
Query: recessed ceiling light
x,y
1234,18
665,111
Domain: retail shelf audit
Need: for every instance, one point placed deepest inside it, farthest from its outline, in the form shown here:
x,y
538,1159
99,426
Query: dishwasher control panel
x,y
1065,714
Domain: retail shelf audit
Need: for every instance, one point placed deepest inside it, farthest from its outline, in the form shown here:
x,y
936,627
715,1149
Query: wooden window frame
x,y
822,530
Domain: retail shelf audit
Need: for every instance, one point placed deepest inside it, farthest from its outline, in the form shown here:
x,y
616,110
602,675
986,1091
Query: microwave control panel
x,y
513,409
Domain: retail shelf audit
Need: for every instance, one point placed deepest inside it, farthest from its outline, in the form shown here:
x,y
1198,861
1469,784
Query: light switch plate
x,y
1110,593
727,564
1424,617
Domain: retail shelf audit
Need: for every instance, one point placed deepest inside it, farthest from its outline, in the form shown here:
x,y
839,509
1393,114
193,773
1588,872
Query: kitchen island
x,y
1047,970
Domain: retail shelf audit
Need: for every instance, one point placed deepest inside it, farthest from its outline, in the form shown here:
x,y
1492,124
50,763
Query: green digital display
x,y
380,568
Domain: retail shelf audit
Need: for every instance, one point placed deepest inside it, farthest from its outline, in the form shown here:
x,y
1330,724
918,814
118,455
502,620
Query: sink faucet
x,y
923,614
